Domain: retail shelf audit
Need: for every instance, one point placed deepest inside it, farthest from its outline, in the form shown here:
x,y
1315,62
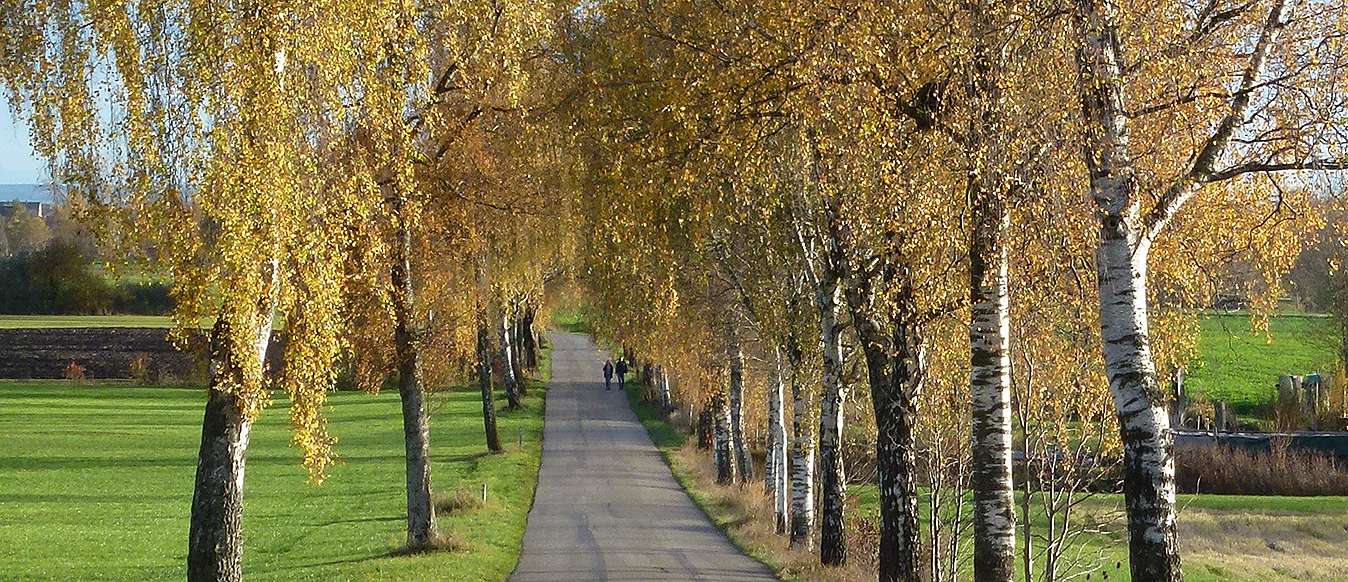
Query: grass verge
x,y
96,482
573,319
1223,537
743,513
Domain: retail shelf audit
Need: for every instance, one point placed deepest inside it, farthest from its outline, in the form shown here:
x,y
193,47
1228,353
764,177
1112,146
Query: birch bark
x,y
990,391
743,468
723,445
215,533
484,384
416,427
802,457
990,316
777,463
895,370
508,365
832,480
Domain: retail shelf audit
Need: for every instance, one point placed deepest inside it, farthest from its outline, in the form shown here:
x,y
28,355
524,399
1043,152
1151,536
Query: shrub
x,y
863,539
139,368
142,299
1221,469
58,279
75,372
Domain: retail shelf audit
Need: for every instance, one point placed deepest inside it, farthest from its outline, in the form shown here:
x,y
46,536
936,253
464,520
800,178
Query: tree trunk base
x,y
215,537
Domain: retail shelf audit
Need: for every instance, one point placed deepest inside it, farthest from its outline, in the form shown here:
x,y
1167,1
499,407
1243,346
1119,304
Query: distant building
x,y
39,209
37,199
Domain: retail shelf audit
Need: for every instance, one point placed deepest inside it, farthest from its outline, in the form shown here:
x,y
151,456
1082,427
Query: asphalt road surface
x,y
607,507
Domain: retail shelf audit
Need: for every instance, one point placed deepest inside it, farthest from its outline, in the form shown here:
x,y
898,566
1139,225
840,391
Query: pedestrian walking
x,y
608,374
621,369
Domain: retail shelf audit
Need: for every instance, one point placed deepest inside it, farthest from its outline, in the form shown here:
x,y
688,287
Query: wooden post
x,y
1291,405
1178,401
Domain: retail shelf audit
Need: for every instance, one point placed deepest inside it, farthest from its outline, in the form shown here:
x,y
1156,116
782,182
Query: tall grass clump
x,y
1226,470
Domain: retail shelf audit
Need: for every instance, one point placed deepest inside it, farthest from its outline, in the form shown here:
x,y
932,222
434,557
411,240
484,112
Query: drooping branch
x,y
1216,146
1269,167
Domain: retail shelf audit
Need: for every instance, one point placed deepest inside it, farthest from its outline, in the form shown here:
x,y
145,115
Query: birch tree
x,y
735,373
989,330
1251,82
824,266
213,155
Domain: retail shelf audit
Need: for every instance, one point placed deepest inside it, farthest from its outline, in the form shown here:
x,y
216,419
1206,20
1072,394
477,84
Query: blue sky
x,y
18,164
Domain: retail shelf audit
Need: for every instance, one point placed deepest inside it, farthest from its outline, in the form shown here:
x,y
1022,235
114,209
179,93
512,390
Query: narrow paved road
x,y
607,507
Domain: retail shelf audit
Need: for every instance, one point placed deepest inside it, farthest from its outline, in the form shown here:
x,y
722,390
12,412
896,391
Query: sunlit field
x,y
96,483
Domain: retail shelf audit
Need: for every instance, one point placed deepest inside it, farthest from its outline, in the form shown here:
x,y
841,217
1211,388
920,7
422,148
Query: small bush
x,y
139,368
1226,470
60,278
75,372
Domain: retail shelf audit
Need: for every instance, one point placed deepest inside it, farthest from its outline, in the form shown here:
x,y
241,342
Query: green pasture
x,y
64,321
96,483
1242,368
572,318
1234,364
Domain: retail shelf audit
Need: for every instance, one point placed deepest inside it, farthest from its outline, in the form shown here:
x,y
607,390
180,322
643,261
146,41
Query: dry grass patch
x,y
746,514
1265,546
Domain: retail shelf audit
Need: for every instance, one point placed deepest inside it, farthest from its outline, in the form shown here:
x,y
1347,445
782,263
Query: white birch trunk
x,y
484,383
512,383
743,468
215,532
723,447
1121,261
411,392
780,488
1149,467
802,460
990,326
990,390
666,398
770,459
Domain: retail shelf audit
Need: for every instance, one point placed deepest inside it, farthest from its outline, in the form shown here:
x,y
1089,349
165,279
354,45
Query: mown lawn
x,y
572,318
61,321
1242,369
96,482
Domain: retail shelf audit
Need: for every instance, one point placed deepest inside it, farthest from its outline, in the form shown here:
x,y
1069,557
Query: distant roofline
x,y
31,192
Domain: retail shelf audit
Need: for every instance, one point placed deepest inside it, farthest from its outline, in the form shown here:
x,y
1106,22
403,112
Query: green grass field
x,y
572,318
59,321
1243,369
96,482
